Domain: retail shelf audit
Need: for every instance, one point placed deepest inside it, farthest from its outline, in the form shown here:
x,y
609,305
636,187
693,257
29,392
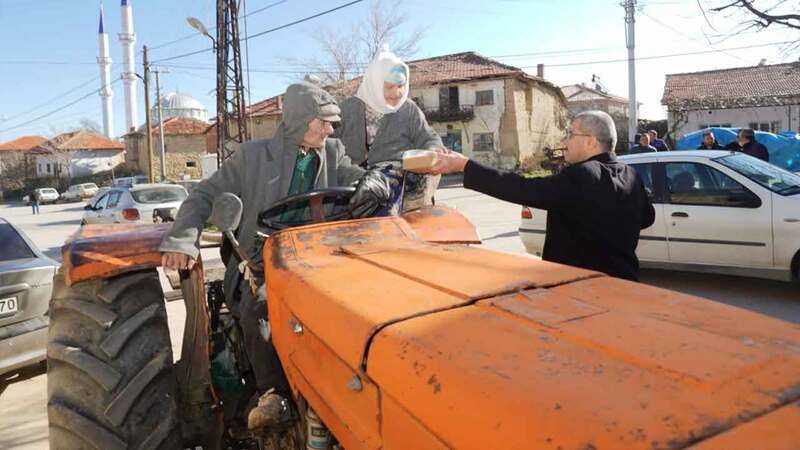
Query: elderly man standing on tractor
x,y
298,159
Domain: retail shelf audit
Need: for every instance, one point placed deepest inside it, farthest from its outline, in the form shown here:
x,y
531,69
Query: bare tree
x,y
344,53
757,15
90,125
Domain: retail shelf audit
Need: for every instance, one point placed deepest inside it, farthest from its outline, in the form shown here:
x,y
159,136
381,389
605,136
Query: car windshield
x,y
89,186
771,177
161,194
14,247
49,191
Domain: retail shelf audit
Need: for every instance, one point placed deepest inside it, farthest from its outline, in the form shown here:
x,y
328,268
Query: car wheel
x,y
110,378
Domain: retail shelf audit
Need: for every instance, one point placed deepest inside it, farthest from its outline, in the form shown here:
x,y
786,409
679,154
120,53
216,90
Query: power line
x,y
672,55
195,34
48,102
305,19
50,113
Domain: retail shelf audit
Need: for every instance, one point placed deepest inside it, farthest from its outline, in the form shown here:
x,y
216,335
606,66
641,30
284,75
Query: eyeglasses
x,y
333,124
571,133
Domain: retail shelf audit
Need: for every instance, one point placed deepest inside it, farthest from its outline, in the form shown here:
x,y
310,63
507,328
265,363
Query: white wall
x,y
788,116
487,118
81,162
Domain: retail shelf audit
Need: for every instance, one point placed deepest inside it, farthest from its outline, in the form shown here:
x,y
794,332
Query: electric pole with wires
x,y
231,124
630,42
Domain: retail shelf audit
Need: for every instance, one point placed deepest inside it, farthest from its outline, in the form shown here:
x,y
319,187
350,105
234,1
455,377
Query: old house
x,y
184,147
581,97
490,111
763,97
12,153
75,154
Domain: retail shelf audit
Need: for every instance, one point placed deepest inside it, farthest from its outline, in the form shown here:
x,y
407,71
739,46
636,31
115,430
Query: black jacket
x,y
756,150
714,146
639,149
595,211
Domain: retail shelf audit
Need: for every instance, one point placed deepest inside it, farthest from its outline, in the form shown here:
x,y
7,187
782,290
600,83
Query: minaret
x,y
104,61
128,38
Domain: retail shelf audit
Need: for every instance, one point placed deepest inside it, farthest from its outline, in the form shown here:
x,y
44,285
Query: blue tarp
x,y
784,148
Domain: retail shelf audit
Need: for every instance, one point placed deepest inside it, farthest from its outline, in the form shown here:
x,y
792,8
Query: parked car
x,y
100,191
188,184
716,211
130,181
135,204
26,284
78,192
46,195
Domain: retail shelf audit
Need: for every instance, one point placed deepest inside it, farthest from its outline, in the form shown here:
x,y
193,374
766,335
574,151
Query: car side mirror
x,y
88,208
226,213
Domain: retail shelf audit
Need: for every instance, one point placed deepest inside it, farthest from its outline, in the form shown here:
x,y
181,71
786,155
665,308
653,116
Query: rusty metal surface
x,y
102,251
443,225
598,363
371,273
201,414
351,417
767,432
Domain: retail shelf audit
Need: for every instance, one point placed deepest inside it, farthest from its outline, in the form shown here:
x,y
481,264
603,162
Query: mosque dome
x,y
179,104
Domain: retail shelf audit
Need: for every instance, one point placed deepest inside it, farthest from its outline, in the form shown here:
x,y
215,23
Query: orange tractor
x,y
429,343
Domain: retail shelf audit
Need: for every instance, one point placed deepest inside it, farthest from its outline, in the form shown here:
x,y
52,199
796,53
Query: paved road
x,y
23,423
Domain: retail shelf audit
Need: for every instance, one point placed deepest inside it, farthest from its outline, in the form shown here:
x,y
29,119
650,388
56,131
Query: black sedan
x,y
26,284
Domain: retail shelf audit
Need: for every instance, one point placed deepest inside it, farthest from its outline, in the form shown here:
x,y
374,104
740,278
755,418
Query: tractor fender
x,y
103,251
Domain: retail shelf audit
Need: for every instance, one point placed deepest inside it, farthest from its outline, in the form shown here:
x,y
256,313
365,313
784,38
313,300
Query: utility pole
x,y
148,124
158,71
231,125
630,42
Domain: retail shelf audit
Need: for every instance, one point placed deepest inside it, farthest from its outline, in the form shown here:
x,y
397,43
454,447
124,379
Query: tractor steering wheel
x,y
317,206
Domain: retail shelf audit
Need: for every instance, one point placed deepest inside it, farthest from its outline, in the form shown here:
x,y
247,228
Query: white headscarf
x,y
382,68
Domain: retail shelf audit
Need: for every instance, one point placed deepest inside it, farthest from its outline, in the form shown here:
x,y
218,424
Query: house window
x,y
483,142
752,125
775,127
448,98
40,168
48,167
483,98
191,163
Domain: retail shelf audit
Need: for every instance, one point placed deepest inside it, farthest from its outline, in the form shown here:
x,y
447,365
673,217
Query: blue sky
x,y
49,47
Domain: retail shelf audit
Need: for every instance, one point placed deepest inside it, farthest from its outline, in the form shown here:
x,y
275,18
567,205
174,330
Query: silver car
x,y
139,203
26,284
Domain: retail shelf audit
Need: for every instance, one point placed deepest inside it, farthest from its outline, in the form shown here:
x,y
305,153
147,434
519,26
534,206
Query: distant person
x,y
644,145
709,142
595,207
33,198
659,144
748,144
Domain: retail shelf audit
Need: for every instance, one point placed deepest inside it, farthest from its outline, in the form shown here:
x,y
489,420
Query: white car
x,y
130,181
46,195
716,211
78,192
135,204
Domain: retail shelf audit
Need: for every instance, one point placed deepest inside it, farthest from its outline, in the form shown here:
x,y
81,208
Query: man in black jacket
x,y
749,145
709,142
595,207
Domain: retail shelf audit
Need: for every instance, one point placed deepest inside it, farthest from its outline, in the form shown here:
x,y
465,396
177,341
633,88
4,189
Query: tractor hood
x,y
530,354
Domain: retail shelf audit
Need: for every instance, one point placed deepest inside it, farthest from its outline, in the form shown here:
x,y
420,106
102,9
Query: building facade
x,y
75,154
763,97
184,148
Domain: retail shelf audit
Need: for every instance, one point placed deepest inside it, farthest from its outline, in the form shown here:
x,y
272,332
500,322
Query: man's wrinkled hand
x,y
449,162
177,261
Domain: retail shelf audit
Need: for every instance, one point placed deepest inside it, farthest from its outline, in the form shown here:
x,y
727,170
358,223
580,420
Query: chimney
x,y
540,70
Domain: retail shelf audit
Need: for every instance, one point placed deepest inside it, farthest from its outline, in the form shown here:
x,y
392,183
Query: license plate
x,y
8,305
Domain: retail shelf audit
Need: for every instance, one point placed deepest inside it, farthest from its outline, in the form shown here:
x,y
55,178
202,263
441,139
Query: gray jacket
x,y
260,173
400,131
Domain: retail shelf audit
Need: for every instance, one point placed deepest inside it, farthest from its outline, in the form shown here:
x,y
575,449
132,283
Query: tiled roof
x,y
183,125
22,143
458,67
574,89
80,140
766,85
272,106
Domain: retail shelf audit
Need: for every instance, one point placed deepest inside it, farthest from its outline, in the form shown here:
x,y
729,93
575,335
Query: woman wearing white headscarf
x,y
380,122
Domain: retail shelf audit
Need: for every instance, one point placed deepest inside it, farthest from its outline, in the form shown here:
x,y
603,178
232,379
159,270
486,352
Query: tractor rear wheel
x,y
110,382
